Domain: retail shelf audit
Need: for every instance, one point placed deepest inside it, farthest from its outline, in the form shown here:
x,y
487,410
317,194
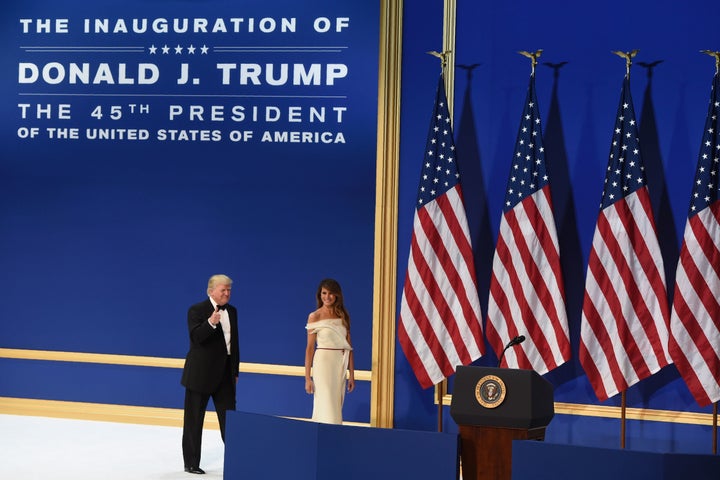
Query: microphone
x,y
515,341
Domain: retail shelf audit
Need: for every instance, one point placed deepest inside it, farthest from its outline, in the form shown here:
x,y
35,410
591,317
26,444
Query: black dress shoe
x,y
194,470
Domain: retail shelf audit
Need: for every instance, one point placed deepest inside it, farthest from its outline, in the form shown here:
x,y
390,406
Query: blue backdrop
x,y
148,145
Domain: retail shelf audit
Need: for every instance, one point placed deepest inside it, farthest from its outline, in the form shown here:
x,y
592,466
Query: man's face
x,y
221,294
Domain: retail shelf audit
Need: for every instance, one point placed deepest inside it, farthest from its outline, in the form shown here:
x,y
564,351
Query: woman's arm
x,y
309,354
351,368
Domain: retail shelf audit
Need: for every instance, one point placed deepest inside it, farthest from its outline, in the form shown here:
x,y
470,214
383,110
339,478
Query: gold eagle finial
x,y
628,56
441,55
715,54
533,56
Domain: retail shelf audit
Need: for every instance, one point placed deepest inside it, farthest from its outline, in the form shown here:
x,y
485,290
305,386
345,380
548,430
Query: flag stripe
x,y
635,260
696,356
541,300
439,322
624,251
695,318
462,279
699,323
526,290
426,309
453,283
624,331
701,260
601,352
542,262
695,323
413,342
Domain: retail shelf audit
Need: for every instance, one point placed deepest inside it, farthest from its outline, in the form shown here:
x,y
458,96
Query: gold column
x,y
386,217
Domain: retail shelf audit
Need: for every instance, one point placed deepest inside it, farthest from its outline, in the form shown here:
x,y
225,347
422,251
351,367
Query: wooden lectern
x,y
493,407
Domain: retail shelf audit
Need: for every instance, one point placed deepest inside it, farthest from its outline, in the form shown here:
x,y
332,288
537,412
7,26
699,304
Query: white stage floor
x,y
35,448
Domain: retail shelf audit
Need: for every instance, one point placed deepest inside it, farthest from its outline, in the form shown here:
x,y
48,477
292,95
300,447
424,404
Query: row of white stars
x,y
527,157
713,173
178,49
513,179
431,153
438,168
624,148
710,186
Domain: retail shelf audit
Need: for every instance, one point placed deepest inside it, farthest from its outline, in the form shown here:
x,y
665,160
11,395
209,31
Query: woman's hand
x,y
309,386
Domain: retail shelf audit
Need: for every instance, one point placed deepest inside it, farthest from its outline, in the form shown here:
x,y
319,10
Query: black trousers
x,y
194,415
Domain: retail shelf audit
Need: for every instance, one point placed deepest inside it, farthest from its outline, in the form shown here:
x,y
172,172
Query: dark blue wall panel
x,y
540,460
321,451
90,382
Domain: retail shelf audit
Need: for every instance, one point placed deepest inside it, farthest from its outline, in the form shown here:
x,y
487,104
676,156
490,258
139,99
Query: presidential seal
x,y
490,391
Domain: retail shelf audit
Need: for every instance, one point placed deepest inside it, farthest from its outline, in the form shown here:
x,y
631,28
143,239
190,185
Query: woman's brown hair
x,y
333,287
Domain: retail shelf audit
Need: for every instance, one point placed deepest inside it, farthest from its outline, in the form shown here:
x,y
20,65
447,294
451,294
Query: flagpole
x,y
715,54
623,405
449,25
441,388
714,428
628,56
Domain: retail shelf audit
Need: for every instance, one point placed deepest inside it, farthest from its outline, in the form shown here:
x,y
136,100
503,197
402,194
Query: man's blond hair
x,y
218,279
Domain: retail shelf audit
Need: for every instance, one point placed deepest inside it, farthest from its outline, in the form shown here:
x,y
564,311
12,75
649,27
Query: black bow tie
x,y
222,307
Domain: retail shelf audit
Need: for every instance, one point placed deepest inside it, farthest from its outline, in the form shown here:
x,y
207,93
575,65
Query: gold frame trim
x,y
604,411
449,29
159,362
386,214
165,417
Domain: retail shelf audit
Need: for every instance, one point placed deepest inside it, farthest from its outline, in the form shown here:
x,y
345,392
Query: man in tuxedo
x,y
211,366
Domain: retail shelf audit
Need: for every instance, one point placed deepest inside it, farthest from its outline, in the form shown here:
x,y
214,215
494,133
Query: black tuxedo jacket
x,y
205,361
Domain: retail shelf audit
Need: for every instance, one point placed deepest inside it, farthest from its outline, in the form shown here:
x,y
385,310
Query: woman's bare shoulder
x,y
314,316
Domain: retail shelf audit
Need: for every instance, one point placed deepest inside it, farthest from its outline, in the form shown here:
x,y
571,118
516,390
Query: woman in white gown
x,y
329,365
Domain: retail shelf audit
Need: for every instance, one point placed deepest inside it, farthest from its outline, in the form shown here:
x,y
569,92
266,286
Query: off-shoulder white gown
x,y
329,369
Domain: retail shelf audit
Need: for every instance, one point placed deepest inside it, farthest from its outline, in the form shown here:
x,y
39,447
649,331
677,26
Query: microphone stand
x,y
514,341
503,353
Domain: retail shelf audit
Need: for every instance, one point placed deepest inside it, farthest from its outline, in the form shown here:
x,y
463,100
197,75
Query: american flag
x,y
695,319
526,289
624,328
439,326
